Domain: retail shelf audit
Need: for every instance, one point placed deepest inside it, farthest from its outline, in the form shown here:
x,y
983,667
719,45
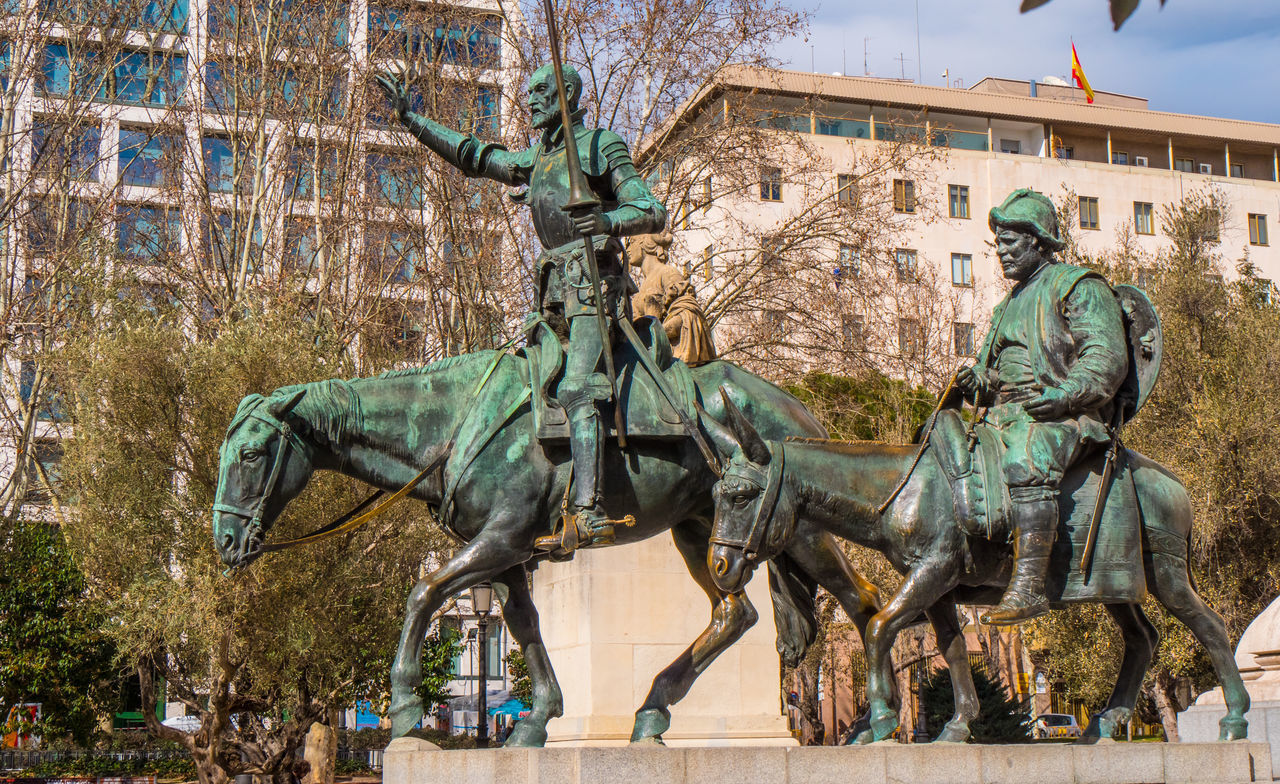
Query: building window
x,y
771,183
958,200
1237,170
391,255
851,331
227,239
771,251
50,407
1011,146
220,164
148,234
46,458
61,150
905,265
910,337
148,79
849,264
773,321
962,333
962,269
1120,158
1184,164
1064,153
1088,212
708,254
1257,229
1143,218
844,188
145,158
708,194
904,196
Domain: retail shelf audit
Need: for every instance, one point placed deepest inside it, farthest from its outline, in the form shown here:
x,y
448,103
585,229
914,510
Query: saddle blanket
x,y
646,412
982,509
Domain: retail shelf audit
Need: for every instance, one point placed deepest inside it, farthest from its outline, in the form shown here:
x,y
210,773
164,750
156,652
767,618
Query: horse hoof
x,y
1233,729
404,718
953,733
527,735
649,726
652,740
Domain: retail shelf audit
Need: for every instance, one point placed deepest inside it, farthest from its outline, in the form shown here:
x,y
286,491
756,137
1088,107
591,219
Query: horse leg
x,y
521,616
946,626
731,615
1140,642
1174,590
485,556
924,584
822,560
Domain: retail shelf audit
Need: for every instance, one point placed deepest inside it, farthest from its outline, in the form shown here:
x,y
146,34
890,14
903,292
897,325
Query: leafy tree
x,y
277,646
53,649
437,668
521,683
1001,719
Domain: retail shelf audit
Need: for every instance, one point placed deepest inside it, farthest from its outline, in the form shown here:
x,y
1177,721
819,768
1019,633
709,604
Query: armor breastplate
x,y
549,192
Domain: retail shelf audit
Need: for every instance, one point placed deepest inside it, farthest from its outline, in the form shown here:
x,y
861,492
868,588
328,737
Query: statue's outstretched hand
x,y
396,91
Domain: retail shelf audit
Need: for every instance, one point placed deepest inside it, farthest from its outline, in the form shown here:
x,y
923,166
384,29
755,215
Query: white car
x,y
1056,725
182,723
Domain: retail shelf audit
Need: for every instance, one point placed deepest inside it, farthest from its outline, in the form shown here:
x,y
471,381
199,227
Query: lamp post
x,y
481,600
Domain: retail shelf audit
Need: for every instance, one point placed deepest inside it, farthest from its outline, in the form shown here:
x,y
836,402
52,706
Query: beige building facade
x,y
1116,162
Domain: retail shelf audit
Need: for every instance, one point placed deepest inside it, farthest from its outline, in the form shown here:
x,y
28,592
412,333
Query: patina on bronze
x,y
951,542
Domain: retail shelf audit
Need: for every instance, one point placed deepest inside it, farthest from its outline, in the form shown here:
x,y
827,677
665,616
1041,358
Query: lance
x,y
582,200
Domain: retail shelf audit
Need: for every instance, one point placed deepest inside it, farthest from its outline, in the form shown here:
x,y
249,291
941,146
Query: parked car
x,y
1056,725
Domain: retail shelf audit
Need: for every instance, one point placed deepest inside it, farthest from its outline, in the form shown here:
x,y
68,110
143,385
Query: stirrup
x,y
1016,609
575,534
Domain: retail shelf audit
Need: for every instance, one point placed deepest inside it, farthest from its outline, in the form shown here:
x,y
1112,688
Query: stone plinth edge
x,y
409,761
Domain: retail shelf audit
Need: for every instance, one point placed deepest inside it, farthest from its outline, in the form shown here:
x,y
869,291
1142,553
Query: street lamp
x,y
481,600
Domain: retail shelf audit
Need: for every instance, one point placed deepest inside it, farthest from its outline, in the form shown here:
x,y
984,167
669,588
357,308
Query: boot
x,y
1035,526
594,527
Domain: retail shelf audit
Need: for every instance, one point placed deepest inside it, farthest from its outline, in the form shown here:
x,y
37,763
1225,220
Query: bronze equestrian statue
x,y
466,436
943,511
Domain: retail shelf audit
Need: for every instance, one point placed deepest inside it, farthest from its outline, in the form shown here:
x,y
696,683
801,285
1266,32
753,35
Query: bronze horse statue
x,y
505,491
771,490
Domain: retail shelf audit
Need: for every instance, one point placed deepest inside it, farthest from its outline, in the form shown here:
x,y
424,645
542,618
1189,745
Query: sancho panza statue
x,y
1049,371
565,299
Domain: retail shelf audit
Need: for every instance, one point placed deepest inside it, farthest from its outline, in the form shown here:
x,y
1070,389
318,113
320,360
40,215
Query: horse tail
x,y
794,594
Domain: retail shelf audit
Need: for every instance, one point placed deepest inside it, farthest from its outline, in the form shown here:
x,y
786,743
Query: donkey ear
x,y
753,446
721,437
281,406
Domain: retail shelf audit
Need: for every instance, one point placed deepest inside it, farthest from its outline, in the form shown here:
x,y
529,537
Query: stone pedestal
x,y
408,761
613,618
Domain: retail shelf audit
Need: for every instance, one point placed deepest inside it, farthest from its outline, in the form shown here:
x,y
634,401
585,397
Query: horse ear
x,y
753,446
721,437
281,406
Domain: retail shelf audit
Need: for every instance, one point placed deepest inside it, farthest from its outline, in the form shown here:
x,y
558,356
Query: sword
x,y
1104,487
581,200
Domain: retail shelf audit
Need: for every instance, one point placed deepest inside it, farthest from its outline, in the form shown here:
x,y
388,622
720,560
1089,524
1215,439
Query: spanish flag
x,y
1077,73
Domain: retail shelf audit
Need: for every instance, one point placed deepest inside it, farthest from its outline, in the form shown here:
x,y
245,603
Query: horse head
x,y
263,465
754,515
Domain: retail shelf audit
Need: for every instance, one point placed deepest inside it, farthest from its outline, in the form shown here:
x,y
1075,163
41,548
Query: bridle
x,y
769,480
254,516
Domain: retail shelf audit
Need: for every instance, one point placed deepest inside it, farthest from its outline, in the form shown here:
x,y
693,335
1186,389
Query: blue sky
x,y
1219,58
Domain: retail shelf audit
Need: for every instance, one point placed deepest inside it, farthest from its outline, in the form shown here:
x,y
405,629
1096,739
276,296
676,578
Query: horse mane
x,y
439,364
330,407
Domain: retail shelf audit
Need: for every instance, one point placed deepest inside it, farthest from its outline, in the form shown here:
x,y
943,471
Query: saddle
x,y
646,414
970,460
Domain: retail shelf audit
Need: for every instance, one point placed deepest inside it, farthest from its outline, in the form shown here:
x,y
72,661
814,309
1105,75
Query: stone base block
x,y
1199,723
409,761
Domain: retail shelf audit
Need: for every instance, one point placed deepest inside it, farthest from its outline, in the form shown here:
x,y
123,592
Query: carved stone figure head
x,y
1027,236
544,100
648,245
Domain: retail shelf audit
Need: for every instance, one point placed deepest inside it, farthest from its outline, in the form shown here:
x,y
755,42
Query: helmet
x,y
1031,212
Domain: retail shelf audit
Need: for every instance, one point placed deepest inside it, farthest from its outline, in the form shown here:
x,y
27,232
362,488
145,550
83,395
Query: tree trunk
x,y
1166,704
810,712
320,753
